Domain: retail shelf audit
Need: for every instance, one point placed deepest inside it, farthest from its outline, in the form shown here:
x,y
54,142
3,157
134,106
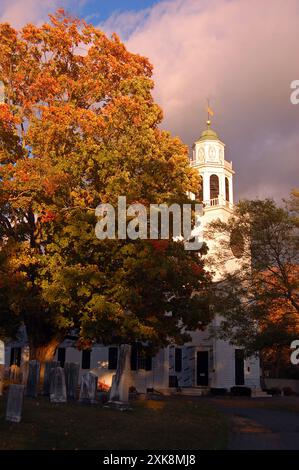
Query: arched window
x,y
226,189
214,186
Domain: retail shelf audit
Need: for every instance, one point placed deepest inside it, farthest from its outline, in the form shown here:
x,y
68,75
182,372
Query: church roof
x,y
208,134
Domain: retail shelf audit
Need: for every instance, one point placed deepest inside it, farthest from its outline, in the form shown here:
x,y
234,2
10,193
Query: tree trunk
x,y
122,379
44,353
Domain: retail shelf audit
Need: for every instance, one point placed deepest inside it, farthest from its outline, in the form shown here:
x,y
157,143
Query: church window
x,y
140,357
15,356
214,187
112,358
226,189
178,360
86,353
61,356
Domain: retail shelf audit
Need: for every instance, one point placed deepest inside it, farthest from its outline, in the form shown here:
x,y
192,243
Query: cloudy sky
x,y
242,54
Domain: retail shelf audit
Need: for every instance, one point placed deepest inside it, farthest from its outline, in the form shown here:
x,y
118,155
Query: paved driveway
x,y
253,425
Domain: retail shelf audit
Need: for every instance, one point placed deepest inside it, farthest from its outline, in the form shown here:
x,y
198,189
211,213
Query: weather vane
x,y
210,112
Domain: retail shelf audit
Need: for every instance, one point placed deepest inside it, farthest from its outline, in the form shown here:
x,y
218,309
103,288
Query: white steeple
x,y
217,173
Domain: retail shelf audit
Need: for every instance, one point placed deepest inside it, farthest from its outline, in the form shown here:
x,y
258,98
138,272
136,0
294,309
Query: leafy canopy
x,y
79,126
259,299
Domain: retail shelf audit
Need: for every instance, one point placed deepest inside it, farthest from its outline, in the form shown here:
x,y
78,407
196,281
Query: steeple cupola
x,y
217,174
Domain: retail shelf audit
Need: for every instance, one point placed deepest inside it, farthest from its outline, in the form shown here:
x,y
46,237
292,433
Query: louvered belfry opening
x,y
214,187
226,189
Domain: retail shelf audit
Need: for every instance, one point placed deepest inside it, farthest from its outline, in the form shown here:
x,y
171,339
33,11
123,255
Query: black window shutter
x,y
239,367
112,358
148,362
15,356
86,353
178,360
18,355
12,356
61,356
134,356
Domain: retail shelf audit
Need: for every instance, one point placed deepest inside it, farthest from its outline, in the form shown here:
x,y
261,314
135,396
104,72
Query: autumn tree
x,y
293,206
9,290
79,127
259,299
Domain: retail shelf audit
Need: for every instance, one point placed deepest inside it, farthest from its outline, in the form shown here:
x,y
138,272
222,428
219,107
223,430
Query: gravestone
x,y
15,374
24,372
47,375
2,352
119,393
15,403
2,366
71,370
57,386
121,382
33,379
88,388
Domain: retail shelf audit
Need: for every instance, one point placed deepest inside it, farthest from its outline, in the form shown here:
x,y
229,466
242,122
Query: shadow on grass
x,y
169,424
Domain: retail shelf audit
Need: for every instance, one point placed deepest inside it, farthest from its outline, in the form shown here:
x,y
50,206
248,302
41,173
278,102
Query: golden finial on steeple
x,y
210,113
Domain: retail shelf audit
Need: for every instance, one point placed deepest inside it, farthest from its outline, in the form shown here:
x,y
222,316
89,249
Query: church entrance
x,y
202,368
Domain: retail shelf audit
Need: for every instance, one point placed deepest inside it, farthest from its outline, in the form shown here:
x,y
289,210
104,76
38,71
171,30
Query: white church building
x,y
205,362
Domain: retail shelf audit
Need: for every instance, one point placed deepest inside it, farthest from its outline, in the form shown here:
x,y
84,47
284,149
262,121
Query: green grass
x,y
167,424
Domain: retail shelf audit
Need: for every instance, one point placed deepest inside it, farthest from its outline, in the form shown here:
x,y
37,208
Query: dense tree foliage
x,y
259,299
79,127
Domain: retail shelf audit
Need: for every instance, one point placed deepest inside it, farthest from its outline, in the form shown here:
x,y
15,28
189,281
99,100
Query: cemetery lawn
x,y
171,423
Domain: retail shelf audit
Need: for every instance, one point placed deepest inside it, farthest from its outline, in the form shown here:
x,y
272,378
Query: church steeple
x,y
216,172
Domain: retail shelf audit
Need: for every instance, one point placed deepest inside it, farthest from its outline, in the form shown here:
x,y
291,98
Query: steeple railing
x,y
214,202
217,202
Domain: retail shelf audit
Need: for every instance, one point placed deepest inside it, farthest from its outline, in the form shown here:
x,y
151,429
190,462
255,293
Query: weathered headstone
x,y
71,370
2,366
15,403
57,386
15,374
33,379
88,388
47,375
121,381
25,356
24,368
2,352
24,372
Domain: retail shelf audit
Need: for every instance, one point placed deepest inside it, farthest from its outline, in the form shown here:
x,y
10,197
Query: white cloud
x,y
126,23
20,12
